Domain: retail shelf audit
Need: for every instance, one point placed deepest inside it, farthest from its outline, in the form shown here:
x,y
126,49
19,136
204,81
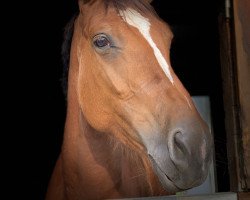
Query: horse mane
x,y
65,52
120,5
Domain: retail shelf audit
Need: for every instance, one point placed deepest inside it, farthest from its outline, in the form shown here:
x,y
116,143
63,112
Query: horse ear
x,y
86,1
81,4
83,1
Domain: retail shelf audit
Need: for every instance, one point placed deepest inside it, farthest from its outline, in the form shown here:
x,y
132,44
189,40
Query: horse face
x,y
127,88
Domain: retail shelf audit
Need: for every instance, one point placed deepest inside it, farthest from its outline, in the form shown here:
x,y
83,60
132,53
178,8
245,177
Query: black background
x,y
36,110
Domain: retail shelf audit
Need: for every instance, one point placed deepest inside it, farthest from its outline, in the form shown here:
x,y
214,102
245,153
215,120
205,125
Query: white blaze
x,y
134,18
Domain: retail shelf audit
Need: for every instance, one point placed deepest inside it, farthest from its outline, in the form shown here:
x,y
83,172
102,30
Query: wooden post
x,y
230,98
235,66
241,10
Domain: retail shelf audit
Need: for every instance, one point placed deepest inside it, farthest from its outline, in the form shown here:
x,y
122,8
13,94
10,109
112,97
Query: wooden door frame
x,y
232,68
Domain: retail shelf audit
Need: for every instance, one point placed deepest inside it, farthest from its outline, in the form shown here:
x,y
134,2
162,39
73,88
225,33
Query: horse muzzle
x,y
182,162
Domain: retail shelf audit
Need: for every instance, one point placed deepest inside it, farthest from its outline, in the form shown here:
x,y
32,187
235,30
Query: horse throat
x,y
98,162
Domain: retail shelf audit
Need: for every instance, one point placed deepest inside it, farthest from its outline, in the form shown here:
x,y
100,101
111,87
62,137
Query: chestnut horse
x,y
131,128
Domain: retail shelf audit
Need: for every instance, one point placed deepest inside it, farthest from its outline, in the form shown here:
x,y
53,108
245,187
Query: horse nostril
x,y
177,149
178,141
187,148
189,153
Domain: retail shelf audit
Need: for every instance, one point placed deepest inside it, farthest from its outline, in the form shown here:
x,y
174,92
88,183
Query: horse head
x,y
121,79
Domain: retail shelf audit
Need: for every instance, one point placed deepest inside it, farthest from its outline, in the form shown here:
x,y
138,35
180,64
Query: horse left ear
x,y
86,1
149,1
83,1
81,4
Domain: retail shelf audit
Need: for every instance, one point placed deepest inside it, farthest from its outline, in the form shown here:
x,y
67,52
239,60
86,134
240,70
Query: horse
x,y
131,127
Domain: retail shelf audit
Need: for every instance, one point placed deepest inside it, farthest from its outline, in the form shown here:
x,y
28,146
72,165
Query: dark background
x,y
38,101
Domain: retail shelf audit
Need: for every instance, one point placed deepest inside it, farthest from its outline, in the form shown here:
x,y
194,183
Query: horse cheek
x,y
93,108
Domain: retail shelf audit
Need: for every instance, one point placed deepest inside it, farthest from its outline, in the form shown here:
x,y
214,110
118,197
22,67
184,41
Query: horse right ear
x,y
83,1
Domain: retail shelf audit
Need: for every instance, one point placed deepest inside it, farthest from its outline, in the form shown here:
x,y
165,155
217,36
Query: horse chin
x,y
164,179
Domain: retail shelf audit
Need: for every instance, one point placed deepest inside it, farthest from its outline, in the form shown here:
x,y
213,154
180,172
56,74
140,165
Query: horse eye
x,y
101,41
